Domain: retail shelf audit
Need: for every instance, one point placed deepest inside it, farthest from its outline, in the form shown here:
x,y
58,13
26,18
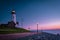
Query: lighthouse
x,y
14,16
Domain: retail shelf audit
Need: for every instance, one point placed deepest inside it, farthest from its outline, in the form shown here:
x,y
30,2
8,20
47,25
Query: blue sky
x,y
32,11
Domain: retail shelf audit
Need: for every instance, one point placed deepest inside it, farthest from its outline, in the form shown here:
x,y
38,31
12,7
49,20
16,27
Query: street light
x,y
37,28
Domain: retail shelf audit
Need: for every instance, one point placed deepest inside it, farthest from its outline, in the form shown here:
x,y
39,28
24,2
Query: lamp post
x,y
37,28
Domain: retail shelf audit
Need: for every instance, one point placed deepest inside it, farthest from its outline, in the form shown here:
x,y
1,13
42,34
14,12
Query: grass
x,y
13,30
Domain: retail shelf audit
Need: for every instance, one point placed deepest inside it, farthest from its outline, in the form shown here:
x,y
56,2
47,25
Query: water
x,y
50,31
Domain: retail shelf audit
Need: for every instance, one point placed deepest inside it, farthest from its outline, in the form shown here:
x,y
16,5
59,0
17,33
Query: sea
x,y
49,31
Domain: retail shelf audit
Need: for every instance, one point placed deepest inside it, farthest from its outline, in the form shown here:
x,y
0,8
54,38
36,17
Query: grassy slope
x,y
14,30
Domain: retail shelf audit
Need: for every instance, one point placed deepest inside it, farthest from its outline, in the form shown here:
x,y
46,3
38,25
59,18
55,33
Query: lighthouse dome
x,y
13,11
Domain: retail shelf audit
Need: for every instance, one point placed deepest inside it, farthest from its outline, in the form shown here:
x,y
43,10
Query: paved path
x,y
15,35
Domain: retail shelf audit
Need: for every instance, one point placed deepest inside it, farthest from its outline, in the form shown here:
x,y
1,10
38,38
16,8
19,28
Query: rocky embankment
x,y
41,36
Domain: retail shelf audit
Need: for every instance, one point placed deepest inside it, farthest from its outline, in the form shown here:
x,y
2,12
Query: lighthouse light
x,y
13,11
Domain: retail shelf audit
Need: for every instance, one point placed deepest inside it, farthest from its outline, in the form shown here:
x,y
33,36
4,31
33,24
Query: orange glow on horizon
x,y
48,26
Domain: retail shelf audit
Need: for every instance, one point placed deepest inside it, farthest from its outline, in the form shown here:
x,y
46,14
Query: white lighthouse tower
x,y
14,16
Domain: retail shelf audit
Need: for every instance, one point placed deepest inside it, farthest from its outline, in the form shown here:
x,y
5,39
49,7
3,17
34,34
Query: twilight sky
x,y
44,12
